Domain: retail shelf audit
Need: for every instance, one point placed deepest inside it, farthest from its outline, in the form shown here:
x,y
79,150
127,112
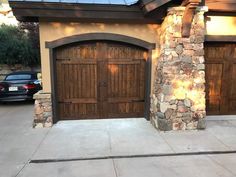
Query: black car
x,y
19,86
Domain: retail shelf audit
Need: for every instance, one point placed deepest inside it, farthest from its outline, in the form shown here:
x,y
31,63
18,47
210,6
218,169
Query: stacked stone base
x,y
178,116
42,110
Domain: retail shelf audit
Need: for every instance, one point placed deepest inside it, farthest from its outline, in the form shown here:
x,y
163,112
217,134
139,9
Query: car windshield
x,y
18,77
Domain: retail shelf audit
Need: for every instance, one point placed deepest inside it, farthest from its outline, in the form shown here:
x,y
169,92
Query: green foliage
x,y
17,46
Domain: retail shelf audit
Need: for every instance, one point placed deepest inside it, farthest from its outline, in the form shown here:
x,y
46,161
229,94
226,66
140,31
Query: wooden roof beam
x,y
222,6
187,2
149,6
189,12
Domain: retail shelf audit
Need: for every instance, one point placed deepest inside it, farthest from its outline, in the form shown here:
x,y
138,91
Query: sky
x,y
6,15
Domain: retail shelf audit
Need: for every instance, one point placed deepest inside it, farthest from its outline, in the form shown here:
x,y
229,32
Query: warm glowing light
x,y
153,26
181,89
69,30
214,25
145,55
56,25
184,89
155,54
113,68
100,26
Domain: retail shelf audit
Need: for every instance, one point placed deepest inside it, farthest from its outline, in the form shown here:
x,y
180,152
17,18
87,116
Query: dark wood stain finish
x,y
221,5
76,12
100,80
220,38
220,78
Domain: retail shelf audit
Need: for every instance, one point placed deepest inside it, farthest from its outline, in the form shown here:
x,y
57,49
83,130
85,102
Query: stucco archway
x,y
53,45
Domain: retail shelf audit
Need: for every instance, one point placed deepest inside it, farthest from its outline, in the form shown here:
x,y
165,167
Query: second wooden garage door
x,y
100,80
220,78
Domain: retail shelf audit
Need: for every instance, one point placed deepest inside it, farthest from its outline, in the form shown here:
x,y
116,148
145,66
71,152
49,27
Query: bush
x,y
17,46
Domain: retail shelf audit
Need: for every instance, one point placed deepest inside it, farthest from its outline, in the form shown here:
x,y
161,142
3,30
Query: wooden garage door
x,y
100,80
221,78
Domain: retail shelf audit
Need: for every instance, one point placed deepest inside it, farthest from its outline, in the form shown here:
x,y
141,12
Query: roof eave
x,y
33,11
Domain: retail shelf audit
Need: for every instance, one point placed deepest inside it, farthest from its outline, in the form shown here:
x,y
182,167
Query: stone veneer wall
x,y
178,100
42,110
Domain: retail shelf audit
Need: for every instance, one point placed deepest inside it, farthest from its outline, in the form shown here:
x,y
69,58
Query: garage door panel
x,y
123,51
125,80
232,107
72,111
87,111
234,51
77,81
126,88
130,109
213,106
232,92
214,74
100,80
233,82
142,79
216,52
83,51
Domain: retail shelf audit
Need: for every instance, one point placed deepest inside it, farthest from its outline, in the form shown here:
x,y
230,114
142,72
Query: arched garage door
x,y
100,80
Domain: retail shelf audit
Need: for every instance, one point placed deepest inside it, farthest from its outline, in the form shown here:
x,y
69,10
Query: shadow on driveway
x,y
16,103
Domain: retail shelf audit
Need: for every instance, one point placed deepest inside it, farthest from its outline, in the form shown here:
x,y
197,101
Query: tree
x,y
32,30
19,45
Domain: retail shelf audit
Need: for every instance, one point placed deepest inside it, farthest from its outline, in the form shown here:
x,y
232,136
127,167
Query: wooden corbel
x,y
189,12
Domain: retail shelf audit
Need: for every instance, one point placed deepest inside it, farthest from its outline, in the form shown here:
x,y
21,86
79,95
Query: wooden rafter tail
x,y
189,12
186,2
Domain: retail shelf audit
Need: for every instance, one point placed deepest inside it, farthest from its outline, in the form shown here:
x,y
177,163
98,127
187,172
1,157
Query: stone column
x,y
178,100
42,110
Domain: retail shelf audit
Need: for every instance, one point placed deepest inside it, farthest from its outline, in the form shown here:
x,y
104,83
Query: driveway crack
x,y
26,163
163,137
230,171
115,168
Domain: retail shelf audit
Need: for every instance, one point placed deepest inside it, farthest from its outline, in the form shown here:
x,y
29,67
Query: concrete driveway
x,y
18,141
107,148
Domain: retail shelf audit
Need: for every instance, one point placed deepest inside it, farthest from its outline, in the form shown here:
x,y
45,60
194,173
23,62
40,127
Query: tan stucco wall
x,y
221,25
52,31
